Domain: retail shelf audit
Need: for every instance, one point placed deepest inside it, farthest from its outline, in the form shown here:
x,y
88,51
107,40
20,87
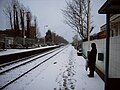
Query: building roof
x,y
110,7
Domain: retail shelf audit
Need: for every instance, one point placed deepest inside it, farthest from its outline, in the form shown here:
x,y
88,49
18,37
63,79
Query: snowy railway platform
x,y
65,71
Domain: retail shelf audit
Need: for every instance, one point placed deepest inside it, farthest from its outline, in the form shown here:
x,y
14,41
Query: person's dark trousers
x,y
91,72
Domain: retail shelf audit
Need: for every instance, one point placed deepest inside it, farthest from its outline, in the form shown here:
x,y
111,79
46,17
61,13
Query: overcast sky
x,y
49,13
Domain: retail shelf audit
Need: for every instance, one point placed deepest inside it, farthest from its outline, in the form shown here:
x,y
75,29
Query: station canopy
x,y
110,7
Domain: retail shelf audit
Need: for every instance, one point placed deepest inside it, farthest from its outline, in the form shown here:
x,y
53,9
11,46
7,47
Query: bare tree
x,y
9,12
22,22
76,14
16,7
36,27
20,17
12,12
29,18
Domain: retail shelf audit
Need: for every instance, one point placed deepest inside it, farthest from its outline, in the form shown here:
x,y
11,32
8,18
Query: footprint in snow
x,y
55,63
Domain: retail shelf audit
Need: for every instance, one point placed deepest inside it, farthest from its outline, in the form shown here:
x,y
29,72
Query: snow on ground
x,y
65,71
11,51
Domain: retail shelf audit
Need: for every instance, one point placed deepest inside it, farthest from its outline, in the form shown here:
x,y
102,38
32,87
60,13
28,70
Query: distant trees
x,y
76,16
48,37
53,38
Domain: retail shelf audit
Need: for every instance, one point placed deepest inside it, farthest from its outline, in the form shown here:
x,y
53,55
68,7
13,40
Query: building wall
x,y
114,25
114,62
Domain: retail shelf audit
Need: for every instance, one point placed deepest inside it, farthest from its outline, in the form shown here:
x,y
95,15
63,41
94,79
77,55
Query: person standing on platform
x,y
92,60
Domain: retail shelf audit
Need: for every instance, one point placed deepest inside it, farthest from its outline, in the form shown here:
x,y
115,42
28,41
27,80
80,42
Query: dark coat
x,y
92,58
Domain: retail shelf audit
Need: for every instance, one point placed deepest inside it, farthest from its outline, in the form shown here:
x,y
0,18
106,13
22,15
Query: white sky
x,y
49,13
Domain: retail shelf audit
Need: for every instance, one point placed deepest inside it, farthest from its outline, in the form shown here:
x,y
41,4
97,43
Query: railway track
x,y
13,71
14,64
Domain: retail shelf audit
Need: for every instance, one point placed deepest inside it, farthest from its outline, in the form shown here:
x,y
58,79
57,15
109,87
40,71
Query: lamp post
x,y
88,24
23,28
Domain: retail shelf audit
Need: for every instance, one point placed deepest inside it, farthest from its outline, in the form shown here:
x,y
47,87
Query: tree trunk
x,y
17,24
22,22
11,20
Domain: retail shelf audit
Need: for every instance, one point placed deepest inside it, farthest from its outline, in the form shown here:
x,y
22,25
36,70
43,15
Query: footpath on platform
x,y
67,72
